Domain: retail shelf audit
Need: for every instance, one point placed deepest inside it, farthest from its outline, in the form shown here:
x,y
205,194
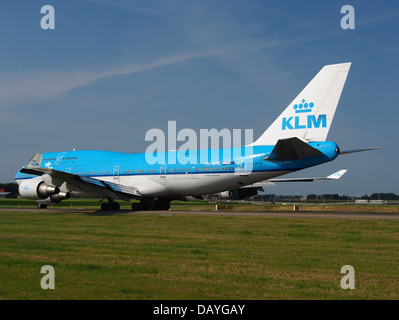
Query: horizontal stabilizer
x,y
292,149
334,176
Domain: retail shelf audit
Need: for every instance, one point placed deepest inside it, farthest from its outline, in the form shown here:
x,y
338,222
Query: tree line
x,y
329,197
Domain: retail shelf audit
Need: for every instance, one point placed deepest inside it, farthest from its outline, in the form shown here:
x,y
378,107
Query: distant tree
x,y
384,196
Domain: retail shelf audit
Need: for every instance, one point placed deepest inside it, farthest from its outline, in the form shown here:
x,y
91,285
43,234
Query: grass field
x,y
146,256
206,205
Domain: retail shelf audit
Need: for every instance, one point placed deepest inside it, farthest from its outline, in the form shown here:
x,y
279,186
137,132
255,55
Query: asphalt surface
x,y
261,214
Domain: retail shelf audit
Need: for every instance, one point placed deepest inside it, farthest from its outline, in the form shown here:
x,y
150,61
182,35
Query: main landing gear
x,y
151,204
144,205
111,205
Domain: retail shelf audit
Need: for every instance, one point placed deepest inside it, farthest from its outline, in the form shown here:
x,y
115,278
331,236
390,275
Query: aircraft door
x,y
59,158
242,169
163,171
116,173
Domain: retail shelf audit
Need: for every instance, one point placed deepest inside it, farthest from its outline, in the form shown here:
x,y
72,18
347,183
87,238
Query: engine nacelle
x,y
36,189
239,194
225,195
56,198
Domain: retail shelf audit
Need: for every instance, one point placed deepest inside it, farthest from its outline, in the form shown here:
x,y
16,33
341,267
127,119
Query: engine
x,y
37,189
56,198
239,194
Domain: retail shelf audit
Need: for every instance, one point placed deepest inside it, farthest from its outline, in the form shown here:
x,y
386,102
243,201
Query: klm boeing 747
x,y
296,140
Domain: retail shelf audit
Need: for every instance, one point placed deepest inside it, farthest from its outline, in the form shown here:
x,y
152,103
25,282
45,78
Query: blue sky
x,y
112,70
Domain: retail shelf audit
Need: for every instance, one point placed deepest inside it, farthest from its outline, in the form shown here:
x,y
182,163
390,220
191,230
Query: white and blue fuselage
x,y
173,180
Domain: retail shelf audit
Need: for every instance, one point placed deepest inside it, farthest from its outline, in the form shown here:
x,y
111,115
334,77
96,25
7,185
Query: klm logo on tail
x,y
298,122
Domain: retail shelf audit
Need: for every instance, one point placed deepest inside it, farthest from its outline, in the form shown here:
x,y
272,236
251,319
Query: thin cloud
x,y
378,18
124,5
41,85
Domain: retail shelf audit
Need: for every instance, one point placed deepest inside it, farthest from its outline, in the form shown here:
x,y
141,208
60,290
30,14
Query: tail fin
x,y
309,116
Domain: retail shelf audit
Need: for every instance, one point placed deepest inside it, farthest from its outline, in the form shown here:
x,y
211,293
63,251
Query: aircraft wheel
x,y
116,206
135,206
111,205
147,204
163,204
41,206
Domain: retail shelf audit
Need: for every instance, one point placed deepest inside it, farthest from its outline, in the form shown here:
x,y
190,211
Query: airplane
x,y
294,141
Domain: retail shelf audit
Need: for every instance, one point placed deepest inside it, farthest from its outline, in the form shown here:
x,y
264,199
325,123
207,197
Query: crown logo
x,y
303,107
34,163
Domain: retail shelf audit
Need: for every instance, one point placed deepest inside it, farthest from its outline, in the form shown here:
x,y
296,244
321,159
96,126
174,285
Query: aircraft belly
x,y
192,184
148,186
198,184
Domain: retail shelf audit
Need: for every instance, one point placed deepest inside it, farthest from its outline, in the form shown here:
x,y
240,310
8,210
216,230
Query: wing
x,y
106,188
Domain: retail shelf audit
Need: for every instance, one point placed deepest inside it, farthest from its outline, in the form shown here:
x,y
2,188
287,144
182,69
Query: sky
x,y
111,70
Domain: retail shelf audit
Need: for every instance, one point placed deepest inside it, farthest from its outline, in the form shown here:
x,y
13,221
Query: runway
x,y
268,214
260,214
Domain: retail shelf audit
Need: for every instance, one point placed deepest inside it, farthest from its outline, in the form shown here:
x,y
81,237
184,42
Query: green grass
x,y
208,205
90,204
146,256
